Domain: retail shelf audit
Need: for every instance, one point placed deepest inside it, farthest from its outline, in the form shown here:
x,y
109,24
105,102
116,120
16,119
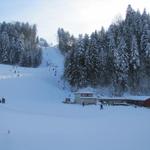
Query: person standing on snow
x,y
101,106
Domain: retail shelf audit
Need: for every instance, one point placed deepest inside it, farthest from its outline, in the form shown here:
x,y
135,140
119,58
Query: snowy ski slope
x,y
38,120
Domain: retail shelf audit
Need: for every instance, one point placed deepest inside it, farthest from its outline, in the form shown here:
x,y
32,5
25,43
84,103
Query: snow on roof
x,y
86,90
135,98
94,97
84,93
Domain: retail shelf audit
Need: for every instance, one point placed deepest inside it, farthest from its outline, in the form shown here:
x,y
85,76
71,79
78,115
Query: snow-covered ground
x,y
38,120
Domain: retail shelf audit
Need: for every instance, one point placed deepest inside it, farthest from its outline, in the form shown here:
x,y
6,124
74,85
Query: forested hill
x,y
19,44
118,57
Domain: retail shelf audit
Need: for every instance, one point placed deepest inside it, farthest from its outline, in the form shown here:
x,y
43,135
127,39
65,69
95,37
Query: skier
x,y
55,73
3,100
83,104
8,132
101,106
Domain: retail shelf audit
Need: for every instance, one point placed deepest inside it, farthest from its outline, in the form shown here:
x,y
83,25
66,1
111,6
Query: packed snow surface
x,y
34,117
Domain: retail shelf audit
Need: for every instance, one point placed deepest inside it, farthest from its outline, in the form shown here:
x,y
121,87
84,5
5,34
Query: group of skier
x,y
52,67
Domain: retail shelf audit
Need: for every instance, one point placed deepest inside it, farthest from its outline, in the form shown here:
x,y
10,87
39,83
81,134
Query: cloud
x,y
77,16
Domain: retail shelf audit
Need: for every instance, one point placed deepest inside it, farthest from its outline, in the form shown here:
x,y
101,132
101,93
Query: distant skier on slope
x,y
3,100
8,131
83,104
101,106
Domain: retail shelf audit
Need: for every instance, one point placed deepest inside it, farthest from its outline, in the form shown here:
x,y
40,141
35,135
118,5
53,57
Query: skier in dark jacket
x,y
83,104
3,100
101,106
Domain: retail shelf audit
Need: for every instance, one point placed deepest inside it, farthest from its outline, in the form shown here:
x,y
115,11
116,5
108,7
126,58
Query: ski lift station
x,y
85,97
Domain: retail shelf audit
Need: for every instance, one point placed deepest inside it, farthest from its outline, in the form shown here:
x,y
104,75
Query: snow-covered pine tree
x,y
12,50
71,71
86,40
138,27
134,66
121,68
147,66
37,57
4,47
81,65
145,71
144,40
103,52
19,48
93,61
147,59
144,47
65,40
110,60
129,27
144,19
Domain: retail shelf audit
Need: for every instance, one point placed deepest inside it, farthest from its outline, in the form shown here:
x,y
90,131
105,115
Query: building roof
x,y
84,92
94,97
134,98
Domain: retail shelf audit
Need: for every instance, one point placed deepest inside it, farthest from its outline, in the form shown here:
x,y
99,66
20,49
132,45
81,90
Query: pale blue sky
x,y
76,16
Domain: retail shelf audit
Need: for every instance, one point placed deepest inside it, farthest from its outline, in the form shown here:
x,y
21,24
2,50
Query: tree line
x,y
19,44
118,58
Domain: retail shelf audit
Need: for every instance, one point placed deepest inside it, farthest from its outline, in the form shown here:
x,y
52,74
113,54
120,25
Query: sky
x,y
75,16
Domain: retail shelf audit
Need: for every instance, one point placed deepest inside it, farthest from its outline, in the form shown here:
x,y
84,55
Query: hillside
x,y
37,119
